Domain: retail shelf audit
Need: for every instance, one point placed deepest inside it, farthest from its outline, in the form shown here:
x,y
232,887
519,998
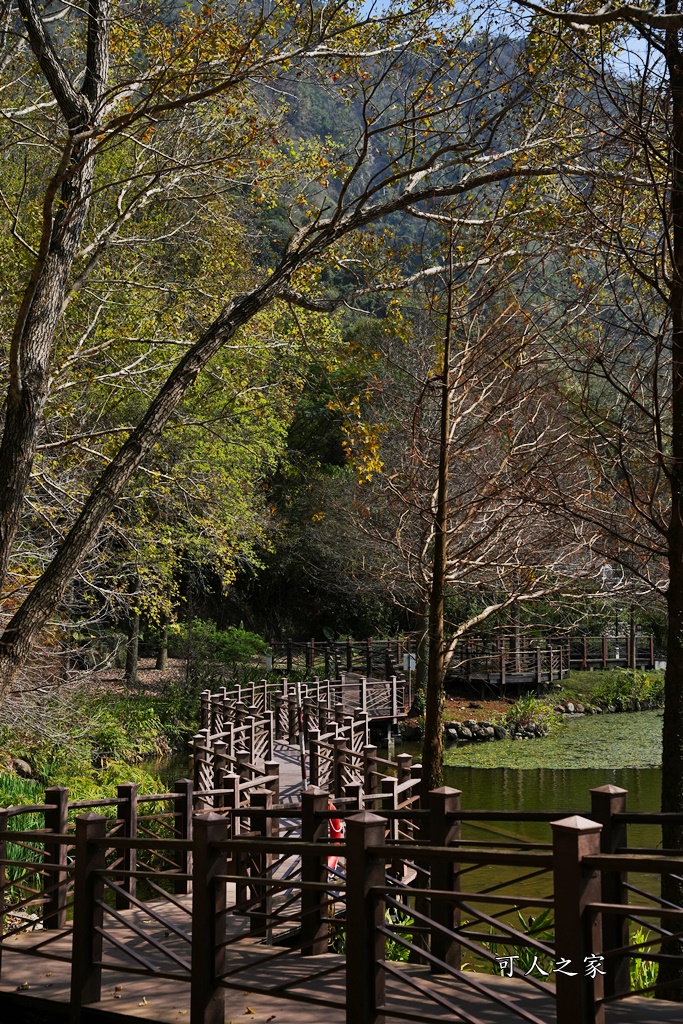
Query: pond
x,y
558,771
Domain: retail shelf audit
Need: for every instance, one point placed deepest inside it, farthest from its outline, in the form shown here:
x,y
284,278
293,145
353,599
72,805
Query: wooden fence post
x,y
353,793
207,997
205,710
364,918
404,773
370,777
128,814
339,762
260,825
202,767
56,820
86,973
314,829
242,762
445,876
314,756
269,718
293,723
279,705
182,806
577,934
606,801
250,737
362,722
390,803
272,768
220,770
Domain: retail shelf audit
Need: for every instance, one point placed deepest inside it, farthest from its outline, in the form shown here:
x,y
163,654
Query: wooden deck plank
x,y
258,982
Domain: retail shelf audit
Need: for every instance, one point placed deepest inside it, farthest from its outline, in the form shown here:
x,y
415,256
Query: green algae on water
x,y
632,740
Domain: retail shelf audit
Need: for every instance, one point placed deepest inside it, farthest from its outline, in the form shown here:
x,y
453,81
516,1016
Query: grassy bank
x,y
617,688
93,737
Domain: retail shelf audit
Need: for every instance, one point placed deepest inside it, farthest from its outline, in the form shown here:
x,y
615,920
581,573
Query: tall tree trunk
x,y
162,646
130,674
69,191
25,626
671,972
432,747
422,650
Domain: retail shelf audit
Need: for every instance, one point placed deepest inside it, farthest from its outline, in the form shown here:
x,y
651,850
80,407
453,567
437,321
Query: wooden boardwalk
x,y
257,851
265,983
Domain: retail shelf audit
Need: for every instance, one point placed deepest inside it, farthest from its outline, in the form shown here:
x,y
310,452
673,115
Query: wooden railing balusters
x,y
128,815
56,820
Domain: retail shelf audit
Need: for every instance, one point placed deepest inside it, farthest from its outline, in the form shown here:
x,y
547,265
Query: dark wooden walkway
x,y
260,852
267,983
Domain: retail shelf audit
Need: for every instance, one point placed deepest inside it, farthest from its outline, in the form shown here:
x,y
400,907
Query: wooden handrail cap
x,y
576,823
610,790
365,818
209,817
446,791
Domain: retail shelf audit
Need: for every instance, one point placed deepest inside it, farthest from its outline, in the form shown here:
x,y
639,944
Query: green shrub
x,y
127,729
393,948
202,641
615,686
541,928
530,710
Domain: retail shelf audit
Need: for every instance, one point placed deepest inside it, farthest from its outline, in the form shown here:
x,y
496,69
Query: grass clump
x,y
643,972
542,929
619,687
530,711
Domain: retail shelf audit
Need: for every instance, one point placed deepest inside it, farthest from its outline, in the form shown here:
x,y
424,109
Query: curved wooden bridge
x,y
217,900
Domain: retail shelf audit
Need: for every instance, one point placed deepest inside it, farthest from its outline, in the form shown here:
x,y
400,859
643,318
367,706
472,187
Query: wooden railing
x,y
240,726
545,659
376,659
136,884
